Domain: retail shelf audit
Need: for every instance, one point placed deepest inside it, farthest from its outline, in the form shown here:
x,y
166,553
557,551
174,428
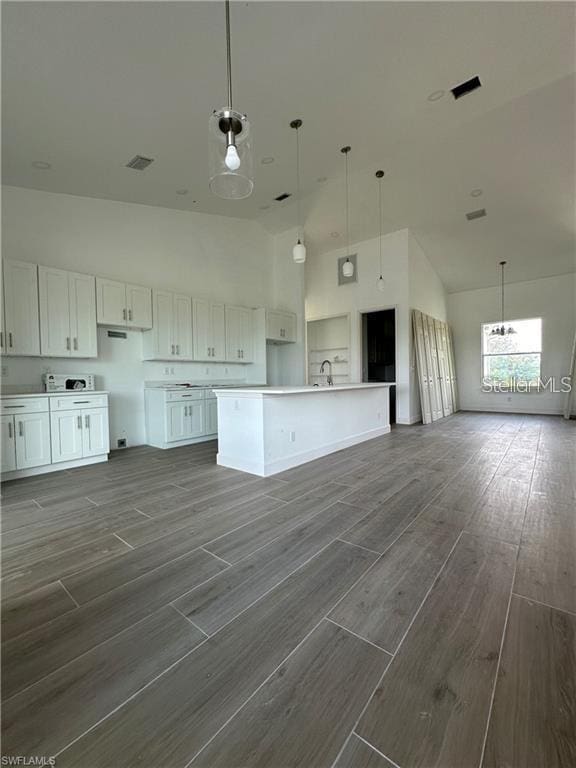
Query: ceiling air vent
x,y
470,85
283,196
479,214
139,163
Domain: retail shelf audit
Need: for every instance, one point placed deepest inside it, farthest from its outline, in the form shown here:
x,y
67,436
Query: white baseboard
x,y
18,474
511,410
409,422
265,469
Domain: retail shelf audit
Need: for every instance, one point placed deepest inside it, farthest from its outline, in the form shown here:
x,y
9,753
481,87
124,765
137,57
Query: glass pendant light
x,y
501,330
347,267
299,250
380,282
230,156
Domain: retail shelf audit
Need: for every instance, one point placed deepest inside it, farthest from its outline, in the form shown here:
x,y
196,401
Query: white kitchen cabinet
x,y
67,313
7,444
209,331
239,335
2,318
171,336
21,308
78,433
280,326
211,416
179,417
95,432
32,432
119,304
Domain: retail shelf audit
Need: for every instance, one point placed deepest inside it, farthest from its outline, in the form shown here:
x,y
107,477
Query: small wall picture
x,y
347,269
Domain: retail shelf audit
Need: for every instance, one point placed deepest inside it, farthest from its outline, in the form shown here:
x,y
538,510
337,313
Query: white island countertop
x,y
300,390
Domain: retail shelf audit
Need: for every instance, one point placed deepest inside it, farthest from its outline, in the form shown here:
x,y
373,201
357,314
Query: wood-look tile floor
x,y
410,601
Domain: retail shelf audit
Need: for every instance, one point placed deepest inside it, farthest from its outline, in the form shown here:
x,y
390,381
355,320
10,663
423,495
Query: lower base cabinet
x,y
38,434
179,417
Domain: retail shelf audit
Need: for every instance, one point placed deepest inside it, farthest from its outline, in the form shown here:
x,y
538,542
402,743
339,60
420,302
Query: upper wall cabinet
x,y
239,335
22,328
171,337
67,313
280,326
209,331
124,305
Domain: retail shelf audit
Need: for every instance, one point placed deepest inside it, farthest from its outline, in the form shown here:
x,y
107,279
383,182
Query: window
x,y
512,362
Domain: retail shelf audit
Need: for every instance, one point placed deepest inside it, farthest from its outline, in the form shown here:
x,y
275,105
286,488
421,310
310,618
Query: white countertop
x,y
301,390
71,392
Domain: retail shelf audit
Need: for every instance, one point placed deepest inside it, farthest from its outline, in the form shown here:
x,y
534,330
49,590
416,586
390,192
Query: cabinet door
x,y
83,329
21,308
196,419
95,433
2,322
110,302
288,327
233,334
212,416
164,325
53,290
66,435
139,305
273,325
202,335
246,335
183,327
7,444
177,424
218,332
32,440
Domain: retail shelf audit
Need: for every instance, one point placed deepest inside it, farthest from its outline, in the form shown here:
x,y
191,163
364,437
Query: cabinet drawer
x,y
71,402
15,405
197,394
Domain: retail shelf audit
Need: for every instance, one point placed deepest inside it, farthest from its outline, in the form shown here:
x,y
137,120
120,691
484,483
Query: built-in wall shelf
x,y
329,339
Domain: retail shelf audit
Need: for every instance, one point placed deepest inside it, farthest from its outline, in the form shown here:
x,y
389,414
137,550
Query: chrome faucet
x,y
329,379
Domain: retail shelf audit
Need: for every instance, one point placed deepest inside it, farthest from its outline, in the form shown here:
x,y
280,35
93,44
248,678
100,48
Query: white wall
x,y
226,259
553,299
324,297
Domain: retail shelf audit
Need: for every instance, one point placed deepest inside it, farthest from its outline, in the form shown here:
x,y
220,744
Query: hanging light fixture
x,y
230,158
347,267
380,282
299,250
501,330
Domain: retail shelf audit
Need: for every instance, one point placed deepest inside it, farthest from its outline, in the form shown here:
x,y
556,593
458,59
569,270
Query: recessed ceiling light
x,y
476,193
267,160
41,165
322,179
334,234
264,207
436,95
181,191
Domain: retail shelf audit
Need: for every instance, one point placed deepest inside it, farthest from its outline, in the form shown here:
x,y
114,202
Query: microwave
x,y
62,382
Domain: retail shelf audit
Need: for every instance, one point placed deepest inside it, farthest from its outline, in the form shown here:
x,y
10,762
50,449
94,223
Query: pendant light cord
x,y
380,222
228,54
347,212
298,211
502,265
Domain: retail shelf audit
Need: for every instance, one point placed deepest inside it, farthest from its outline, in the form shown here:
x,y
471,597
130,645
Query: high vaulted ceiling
x,y
89,85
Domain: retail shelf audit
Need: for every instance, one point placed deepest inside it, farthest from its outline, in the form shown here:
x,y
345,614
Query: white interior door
x,y
32,440
83,328
95,432
66,435
139,305
111,302
53,290
202,335
21,308
422,367
7,444
183,326
218,332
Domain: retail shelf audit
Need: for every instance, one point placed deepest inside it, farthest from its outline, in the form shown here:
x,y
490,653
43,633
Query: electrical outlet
x,y
166,371
172,370
207,371
292,437
121,442
4,370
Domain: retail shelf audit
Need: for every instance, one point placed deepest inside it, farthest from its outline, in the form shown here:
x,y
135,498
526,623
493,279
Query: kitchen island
x,y
265,430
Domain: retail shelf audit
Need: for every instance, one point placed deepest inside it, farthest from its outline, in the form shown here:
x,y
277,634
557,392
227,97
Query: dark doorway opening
x,y
379,350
